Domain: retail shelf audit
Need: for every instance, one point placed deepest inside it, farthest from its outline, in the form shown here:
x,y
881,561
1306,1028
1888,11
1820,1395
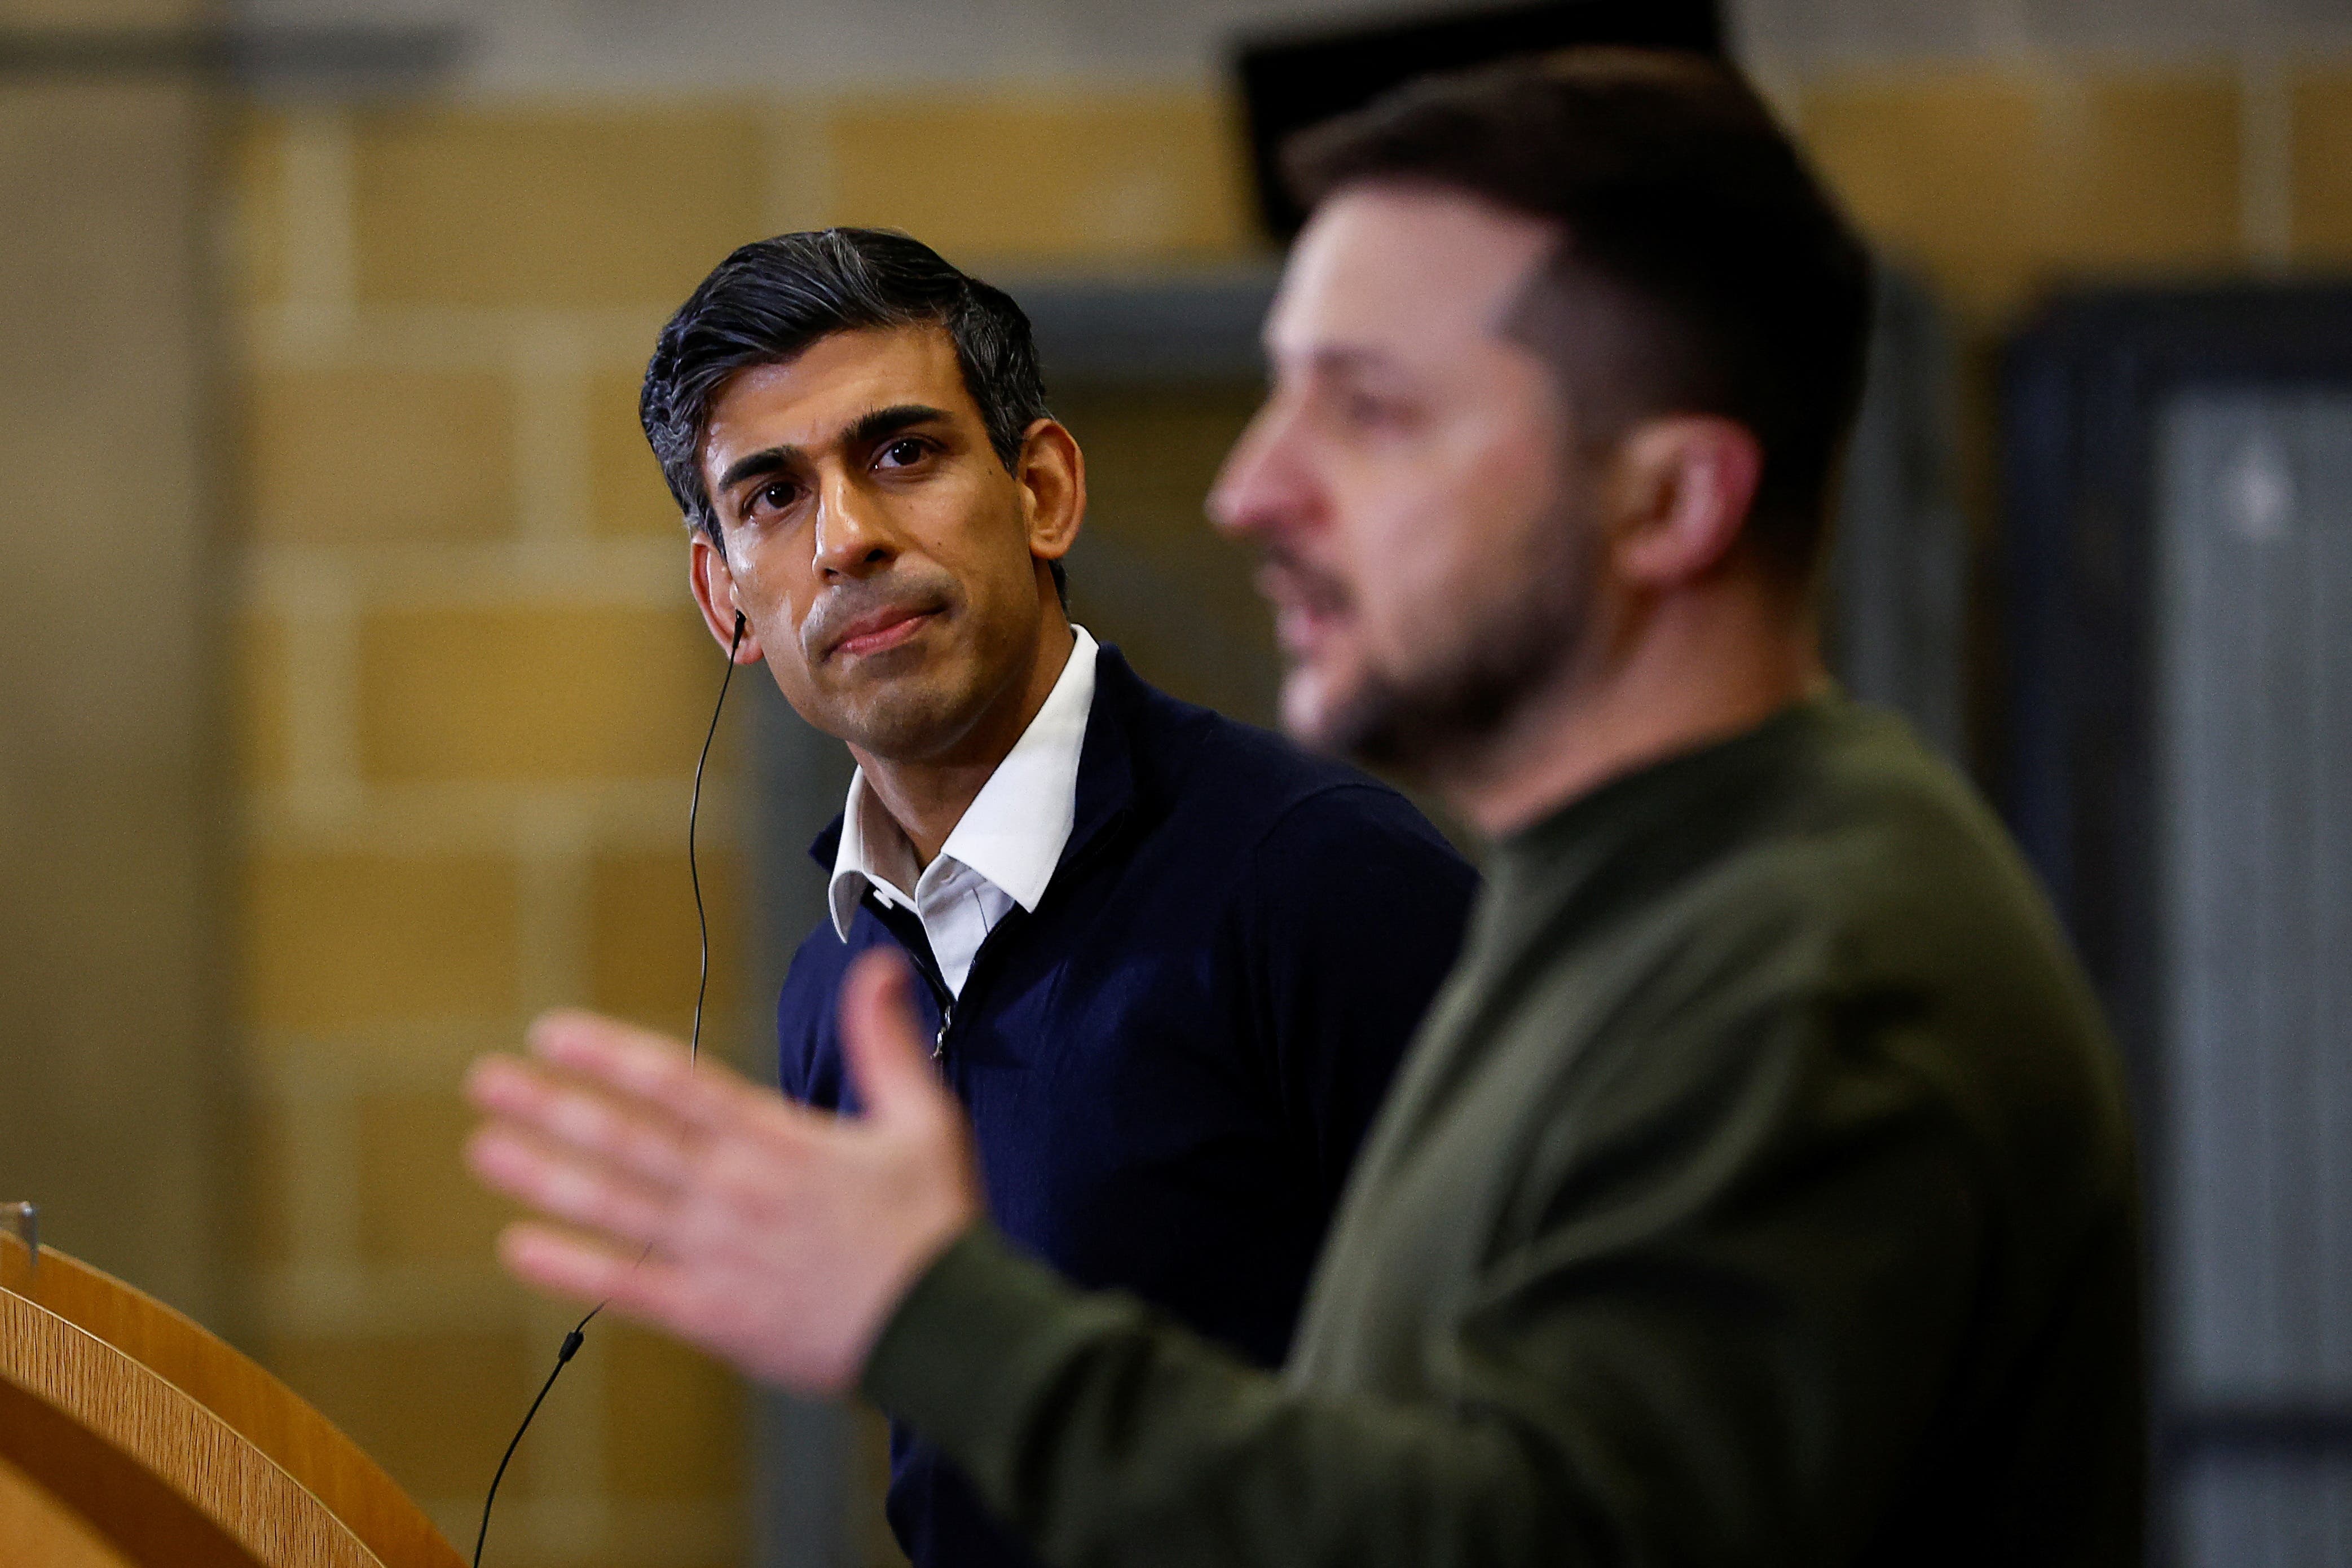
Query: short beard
x,y
1495,657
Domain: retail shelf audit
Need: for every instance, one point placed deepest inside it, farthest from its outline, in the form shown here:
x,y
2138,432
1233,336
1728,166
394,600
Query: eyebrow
x,y
1341,358
873,426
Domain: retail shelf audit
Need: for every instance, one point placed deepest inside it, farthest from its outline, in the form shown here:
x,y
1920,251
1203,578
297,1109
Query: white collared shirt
x,y
1001,853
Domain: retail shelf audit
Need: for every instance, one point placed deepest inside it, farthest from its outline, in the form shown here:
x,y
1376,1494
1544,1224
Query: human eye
x,y
1372,411
774,495
902,452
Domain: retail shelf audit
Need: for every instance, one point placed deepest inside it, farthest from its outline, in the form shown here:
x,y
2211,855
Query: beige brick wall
x,y
2001,182
1151,176
470,688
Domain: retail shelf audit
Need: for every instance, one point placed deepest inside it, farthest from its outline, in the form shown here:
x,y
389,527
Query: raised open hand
x,y
777,1237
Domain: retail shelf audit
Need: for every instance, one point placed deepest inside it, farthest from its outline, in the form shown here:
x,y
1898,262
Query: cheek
x,y
775,585
1441,531
982,544
1420,526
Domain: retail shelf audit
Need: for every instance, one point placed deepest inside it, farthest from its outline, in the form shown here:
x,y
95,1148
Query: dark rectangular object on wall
x,y
2179,475
1293,80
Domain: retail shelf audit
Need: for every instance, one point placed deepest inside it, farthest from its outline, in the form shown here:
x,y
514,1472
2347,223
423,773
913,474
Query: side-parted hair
x,y
773,298
1679,198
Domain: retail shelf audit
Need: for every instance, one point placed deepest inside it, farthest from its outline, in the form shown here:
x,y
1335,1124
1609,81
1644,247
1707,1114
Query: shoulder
x,y
1881,913
1269,795
1886,859
1312,856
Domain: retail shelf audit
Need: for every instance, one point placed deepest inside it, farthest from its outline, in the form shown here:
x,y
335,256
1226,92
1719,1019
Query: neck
x,y
927,796
1699,665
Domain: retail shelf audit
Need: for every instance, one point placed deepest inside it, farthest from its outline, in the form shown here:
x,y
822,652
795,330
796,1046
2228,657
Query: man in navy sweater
x,y
1168,962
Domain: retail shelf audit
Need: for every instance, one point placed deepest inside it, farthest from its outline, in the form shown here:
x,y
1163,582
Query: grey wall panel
x,y
2254,742
2247,1510
1897,578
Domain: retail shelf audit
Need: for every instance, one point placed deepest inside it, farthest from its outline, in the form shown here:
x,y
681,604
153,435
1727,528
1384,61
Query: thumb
x,y
889,1062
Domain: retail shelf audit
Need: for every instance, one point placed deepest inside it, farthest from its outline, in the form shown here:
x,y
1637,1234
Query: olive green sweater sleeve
x,y
1719,1340
1107,1436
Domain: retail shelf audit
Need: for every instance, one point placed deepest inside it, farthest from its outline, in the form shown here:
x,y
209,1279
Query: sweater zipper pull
x,y
940,1041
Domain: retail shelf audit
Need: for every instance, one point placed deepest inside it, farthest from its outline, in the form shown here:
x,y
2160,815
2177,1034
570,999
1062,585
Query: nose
x,y
853,533
1266,489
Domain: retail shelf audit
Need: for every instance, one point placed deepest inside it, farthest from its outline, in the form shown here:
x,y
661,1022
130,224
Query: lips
x,y
877,631
1306,604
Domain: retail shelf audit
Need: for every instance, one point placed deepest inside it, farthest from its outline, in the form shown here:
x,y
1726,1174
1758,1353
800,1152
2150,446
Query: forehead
x,y
1405,271
806,401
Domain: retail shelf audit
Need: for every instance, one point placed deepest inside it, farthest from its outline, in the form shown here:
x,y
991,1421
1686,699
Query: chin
x,y
909,719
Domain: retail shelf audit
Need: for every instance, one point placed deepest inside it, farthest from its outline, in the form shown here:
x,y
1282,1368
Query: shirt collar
x,y
1013,832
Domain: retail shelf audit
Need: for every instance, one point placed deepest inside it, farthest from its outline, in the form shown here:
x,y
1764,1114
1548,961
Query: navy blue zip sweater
x,y
1170,1063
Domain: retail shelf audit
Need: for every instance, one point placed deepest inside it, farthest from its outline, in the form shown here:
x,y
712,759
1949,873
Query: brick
x,y
553,209
1936,170
416,1201
436,1410
628,495
2322,111
354,456
257,174
674,1420
334,941
643,947
528,693
1998,182
264,1223
2158,175
1024,180
260,690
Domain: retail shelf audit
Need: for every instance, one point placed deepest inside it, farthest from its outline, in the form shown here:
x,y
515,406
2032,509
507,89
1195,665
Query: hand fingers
x,y
889,1060
655,1147
572,1265
556,1182
637,1064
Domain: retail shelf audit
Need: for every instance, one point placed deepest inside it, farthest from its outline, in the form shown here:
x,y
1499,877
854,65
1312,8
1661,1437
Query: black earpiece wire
x,y
579,1334
693,871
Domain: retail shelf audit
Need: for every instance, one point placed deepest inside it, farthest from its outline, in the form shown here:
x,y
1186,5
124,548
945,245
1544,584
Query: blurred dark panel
x,y
1894,612
1148,574
1180,328
1294,80
2180,490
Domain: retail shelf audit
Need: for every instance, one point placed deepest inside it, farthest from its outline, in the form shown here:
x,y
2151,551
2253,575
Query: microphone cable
x,y
579,1334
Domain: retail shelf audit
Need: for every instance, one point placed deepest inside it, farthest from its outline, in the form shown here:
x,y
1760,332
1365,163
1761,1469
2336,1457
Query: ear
x,y
1680,493
1052,474
715,594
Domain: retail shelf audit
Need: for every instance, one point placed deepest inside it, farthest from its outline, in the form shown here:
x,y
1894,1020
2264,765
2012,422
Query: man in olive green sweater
x,y
1759,1190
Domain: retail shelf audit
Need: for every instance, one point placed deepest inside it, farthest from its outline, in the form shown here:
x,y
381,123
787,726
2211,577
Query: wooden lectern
x,y
130,1436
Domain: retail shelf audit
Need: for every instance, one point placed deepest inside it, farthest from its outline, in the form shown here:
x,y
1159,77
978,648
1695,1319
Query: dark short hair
x,y
773,298
1676,190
